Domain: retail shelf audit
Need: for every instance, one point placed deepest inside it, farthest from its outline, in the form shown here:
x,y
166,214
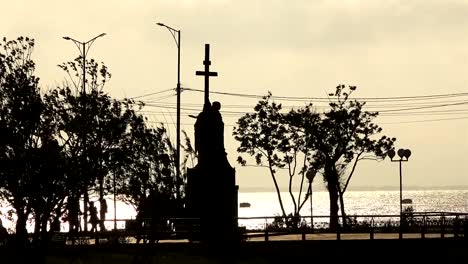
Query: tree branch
x,y
352,171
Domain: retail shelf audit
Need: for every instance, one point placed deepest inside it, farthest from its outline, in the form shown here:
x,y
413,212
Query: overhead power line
x,y
423,107
401,106
150,94
327,99
424,120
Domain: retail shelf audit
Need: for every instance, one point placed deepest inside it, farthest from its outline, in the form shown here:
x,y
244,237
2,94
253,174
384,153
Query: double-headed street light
x,y
404,155
83,47
175,32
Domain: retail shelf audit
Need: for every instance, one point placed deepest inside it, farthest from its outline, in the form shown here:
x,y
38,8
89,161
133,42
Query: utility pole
x,y
175,32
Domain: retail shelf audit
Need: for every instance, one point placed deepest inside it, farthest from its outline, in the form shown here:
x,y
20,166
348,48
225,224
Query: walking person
x,y
93,218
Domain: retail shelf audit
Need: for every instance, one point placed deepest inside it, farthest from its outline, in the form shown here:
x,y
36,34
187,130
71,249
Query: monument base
x,y
212,197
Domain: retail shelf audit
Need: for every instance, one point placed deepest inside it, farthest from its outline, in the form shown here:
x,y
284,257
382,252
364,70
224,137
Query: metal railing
x,y
413,225
422,224
419,225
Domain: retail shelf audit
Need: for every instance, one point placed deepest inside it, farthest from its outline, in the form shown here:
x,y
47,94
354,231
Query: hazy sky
x,y
291,48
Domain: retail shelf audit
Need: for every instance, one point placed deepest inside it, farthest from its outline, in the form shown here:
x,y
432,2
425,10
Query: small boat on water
x,y
243,205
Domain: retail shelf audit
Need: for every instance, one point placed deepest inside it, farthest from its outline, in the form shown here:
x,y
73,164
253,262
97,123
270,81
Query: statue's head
x,y
216,105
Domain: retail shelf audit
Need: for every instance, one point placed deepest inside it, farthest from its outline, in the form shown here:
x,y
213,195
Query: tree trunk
x,y
342,209
85,209
296,212
102,213
44,221
37,227
277,189
332,182
333,194
21,232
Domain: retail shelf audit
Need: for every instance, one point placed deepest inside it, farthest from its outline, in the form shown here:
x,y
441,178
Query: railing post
x,y
372,228
266,229
338,232
465,228
423,228
400,230
442,226
455,227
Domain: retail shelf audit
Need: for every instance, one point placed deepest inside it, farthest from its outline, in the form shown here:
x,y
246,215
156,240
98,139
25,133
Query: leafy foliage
x,y
344,134
25,137
58,147
270,138
328,142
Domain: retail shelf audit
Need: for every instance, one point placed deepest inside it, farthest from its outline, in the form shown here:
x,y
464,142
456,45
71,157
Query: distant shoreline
x,y
364,188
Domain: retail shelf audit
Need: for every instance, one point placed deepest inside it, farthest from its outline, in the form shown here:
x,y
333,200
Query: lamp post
x,y
310,174
404,155
83,52
175,32
83,48
115,205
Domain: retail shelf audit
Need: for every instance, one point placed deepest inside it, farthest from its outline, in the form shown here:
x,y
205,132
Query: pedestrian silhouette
x,y
93,218
55,223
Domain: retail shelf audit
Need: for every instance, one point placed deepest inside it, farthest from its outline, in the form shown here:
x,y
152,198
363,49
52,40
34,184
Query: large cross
x,y
207,73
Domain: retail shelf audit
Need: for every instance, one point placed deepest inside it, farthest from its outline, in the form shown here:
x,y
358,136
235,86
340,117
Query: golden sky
x,y
386,48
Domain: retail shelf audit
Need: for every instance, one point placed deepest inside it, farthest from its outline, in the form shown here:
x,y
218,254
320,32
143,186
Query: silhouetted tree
x,y
92,129
190,158
343,135
27,137
190,154
19,119
327,143
49,196
88,122
56,148
107,142
148,150
267,135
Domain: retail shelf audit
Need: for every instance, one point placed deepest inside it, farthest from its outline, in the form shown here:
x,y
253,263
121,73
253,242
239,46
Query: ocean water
x,y
265,204
359,202
356,203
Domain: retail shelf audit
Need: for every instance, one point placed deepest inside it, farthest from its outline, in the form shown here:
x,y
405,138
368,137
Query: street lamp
x,y
84,47
177,41
404,155
310,174
83,52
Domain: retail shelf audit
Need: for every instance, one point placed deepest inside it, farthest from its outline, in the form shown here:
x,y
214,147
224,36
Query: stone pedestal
x,y
212,197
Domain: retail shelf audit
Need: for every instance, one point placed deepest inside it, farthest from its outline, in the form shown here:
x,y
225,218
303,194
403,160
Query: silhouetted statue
x,y
209,135
211,188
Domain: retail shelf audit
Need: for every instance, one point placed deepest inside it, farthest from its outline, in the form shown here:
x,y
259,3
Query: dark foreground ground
x,y
331,251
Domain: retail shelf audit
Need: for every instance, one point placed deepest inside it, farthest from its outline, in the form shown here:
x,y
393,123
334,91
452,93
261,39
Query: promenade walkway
x,y
257,237
345,236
